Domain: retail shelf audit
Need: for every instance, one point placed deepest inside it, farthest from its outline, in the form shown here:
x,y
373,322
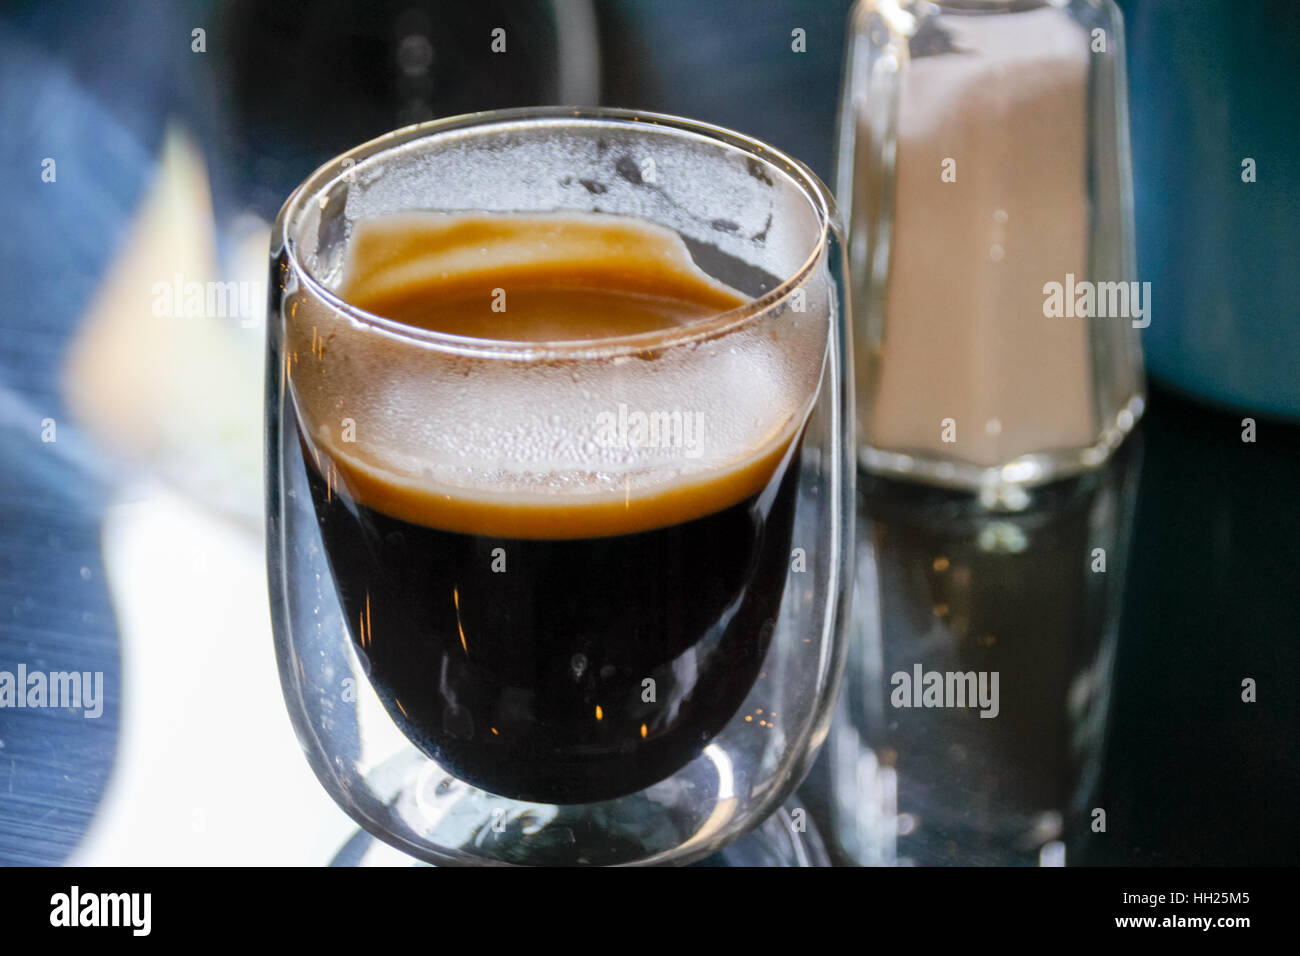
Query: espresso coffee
x,y
561,635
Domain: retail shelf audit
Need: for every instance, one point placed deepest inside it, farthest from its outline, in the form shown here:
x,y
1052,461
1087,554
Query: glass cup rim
x,y
326,176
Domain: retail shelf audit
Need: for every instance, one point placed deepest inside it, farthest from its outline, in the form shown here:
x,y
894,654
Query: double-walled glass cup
x,y
635,683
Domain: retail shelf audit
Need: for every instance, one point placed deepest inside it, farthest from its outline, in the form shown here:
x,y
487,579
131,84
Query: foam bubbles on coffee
x,y
451,435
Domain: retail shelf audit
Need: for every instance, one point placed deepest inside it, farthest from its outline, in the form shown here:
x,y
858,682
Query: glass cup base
x,y
491,830
777,842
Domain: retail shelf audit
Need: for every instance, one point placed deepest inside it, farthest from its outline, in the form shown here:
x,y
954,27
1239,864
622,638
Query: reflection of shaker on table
x,y
1026,605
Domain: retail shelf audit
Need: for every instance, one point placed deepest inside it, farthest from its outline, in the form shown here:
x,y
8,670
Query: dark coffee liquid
x,y
530,681
562,654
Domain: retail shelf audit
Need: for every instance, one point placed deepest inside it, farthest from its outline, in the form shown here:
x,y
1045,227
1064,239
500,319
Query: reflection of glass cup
x,y
996,759
646,688
984,167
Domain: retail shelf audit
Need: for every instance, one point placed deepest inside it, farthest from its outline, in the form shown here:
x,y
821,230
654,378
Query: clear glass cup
x,y
983,165
756,690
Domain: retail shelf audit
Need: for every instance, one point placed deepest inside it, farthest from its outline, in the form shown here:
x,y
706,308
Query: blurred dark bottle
x,y
294,83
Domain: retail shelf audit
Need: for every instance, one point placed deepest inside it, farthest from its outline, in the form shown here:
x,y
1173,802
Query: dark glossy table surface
x,y
1188,771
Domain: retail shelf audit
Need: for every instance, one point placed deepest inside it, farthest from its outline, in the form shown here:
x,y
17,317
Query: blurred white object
x,y
208,771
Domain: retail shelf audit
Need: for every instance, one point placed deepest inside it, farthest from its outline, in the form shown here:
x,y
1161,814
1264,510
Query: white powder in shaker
x,y
965,334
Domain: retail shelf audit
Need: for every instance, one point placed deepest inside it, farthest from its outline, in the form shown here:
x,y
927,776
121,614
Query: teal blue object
x,y
1212,84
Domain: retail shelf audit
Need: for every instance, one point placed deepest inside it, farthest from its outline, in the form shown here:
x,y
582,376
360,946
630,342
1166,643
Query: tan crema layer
x,y
564,277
